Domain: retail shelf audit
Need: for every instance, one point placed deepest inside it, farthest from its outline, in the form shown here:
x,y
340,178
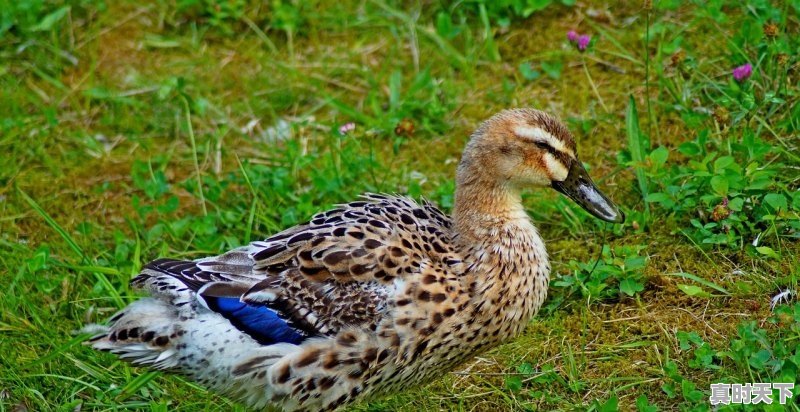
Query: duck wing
x,y
341,269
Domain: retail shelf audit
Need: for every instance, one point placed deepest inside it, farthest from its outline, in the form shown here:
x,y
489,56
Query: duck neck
x,y
485,209
509,261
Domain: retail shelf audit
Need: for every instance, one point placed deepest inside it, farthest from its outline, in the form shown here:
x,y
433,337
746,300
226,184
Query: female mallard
x,y
371,297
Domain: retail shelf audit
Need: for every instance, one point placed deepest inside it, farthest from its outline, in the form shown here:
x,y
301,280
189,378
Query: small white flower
x,y
347,128
782,297
280,131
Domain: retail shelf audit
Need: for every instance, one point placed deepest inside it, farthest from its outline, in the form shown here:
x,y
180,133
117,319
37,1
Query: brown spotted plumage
x,y
368,298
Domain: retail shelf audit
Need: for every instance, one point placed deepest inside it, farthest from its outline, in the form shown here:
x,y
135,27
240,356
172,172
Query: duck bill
x,y
579,187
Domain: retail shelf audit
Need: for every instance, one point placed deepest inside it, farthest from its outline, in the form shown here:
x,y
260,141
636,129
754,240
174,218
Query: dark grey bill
x,y
579,187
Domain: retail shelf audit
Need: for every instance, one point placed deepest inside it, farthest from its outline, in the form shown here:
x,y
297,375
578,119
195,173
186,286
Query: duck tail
x,y
144,333
200,343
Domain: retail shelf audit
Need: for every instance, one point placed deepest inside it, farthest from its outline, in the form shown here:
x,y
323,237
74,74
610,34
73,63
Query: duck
x,y
371,297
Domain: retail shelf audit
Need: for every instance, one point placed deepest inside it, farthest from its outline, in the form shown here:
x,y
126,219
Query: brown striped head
x,y
522,147
519,148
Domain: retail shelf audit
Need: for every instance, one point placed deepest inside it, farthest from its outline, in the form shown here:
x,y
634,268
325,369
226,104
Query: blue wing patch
x,y
260,322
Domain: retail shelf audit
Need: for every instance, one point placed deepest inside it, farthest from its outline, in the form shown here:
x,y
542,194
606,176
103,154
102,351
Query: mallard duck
x,y
371,297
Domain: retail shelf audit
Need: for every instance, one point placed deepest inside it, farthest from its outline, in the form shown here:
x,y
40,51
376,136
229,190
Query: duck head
x,y
522,148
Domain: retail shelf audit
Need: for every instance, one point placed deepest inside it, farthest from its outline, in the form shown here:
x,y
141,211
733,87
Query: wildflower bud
x,y
404,128
677,58
648,5
743,72
771,30
583,42
572,36
782,59
721,116
721,211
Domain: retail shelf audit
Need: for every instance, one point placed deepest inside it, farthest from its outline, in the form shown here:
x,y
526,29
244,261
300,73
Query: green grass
x,y
133,130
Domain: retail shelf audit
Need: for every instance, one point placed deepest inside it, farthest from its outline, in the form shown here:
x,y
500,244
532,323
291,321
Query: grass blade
x,y
636,145
701,281
198,175
53,224
134,385
99,273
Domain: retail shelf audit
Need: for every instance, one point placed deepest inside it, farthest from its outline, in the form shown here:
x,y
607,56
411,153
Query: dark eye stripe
x,y
550,149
